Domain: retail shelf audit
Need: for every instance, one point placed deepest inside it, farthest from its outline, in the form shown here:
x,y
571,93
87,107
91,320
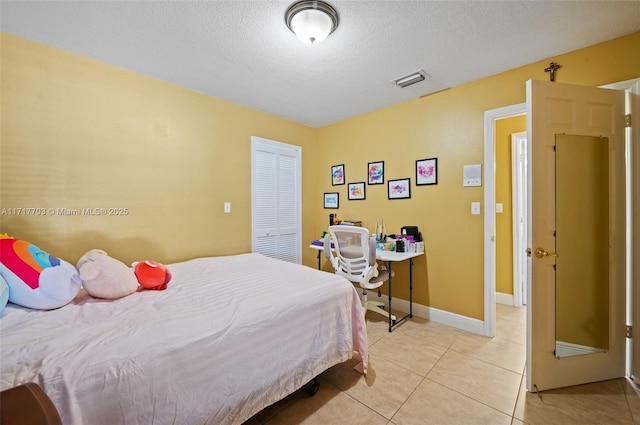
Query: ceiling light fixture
x,y
410,79
311,21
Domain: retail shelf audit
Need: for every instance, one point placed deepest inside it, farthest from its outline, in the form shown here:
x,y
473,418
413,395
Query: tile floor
x,y
427,373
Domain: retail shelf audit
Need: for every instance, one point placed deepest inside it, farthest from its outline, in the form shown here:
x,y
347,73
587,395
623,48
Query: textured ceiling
x,y
243,52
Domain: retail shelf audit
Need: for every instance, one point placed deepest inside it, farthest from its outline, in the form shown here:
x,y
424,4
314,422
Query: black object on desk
x,y
412,231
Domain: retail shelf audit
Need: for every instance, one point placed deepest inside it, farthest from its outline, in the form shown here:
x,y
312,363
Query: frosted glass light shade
x,y
311,21
311,26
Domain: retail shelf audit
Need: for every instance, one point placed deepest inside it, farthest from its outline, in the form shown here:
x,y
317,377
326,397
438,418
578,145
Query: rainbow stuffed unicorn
x,y
36,279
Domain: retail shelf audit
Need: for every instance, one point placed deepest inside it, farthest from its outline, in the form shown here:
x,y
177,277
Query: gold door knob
x,y
541,253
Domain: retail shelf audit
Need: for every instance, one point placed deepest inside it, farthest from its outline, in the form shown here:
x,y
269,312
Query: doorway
x,y
519,165
490,122
510,191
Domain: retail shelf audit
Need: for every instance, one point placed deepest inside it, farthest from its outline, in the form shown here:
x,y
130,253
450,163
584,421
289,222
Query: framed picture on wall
x,y
356,191
399,189
337,175
375,171
426,171
331,199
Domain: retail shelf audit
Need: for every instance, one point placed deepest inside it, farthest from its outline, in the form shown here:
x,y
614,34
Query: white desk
x,y
389,257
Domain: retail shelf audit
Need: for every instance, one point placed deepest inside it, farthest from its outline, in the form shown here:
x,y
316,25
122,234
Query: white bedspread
x,y
228,337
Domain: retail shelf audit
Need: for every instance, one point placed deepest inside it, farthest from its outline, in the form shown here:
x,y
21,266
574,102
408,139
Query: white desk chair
x,y
355,259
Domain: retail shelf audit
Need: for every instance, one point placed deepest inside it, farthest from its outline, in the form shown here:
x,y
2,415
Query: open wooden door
x,y
576,146
634,160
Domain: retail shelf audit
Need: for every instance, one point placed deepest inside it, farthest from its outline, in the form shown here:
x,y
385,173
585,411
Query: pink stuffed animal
x,y
105,277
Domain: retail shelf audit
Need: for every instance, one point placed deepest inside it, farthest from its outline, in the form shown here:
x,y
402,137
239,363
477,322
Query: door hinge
x,y
627,120
628,331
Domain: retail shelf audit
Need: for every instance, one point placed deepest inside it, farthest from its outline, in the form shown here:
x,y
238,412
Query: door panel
x,y
555,109
276,200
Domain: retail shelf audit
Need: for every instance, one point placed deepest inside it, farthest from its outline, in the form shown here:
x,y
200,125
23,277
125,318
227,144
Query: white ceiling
x,y
243,52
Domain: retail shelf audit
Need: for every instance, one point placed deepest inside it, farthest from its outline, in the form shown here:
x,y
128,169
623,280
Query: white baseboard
x,y
506,299
439,316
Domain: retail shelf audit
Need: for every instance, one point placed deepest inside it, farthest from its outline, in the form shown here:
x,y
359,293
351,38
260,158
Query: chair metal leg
x,y
376,307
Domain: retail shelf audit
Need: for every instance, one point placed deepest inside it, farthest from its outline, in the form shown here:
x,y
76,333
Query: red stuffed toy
x,y
152,275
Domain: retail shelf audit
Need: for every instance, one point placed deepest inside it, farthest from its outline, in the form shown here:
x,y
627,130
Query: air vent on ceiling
x,y
411,79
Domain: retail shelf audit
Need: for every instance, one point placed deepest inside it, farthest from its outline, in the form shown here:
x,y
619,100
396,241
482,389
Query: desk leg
x,y
390,320
319,265
410,287
394,323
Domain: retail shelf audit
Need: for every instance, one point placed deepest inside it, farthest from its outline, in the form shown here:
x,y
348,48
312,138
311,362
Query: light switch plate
x,y
499,207
227,207
475,208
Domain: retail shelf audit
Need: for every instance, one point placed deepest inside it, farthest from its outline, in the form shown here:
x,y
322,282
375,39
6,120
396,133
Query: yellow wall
x,y
504,222
79,133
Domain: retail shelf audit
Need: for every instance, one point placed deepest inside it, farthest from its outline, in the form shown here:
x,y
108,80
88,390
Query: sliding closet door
x,y
276,199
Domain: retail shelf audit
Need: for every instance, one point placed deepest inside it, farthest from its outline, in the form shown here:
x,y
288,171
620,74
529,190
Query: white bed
x,y
228,337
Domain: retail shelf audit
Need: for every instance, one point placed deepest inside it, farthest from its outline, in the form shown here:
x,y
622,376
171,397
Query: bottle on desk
x,y
401,242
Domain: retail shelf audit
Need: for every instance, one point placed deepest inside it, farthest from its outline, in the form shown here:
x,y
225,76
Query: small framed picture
x,y
356,191
399,189
337,175
426,171
331,199
375,171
